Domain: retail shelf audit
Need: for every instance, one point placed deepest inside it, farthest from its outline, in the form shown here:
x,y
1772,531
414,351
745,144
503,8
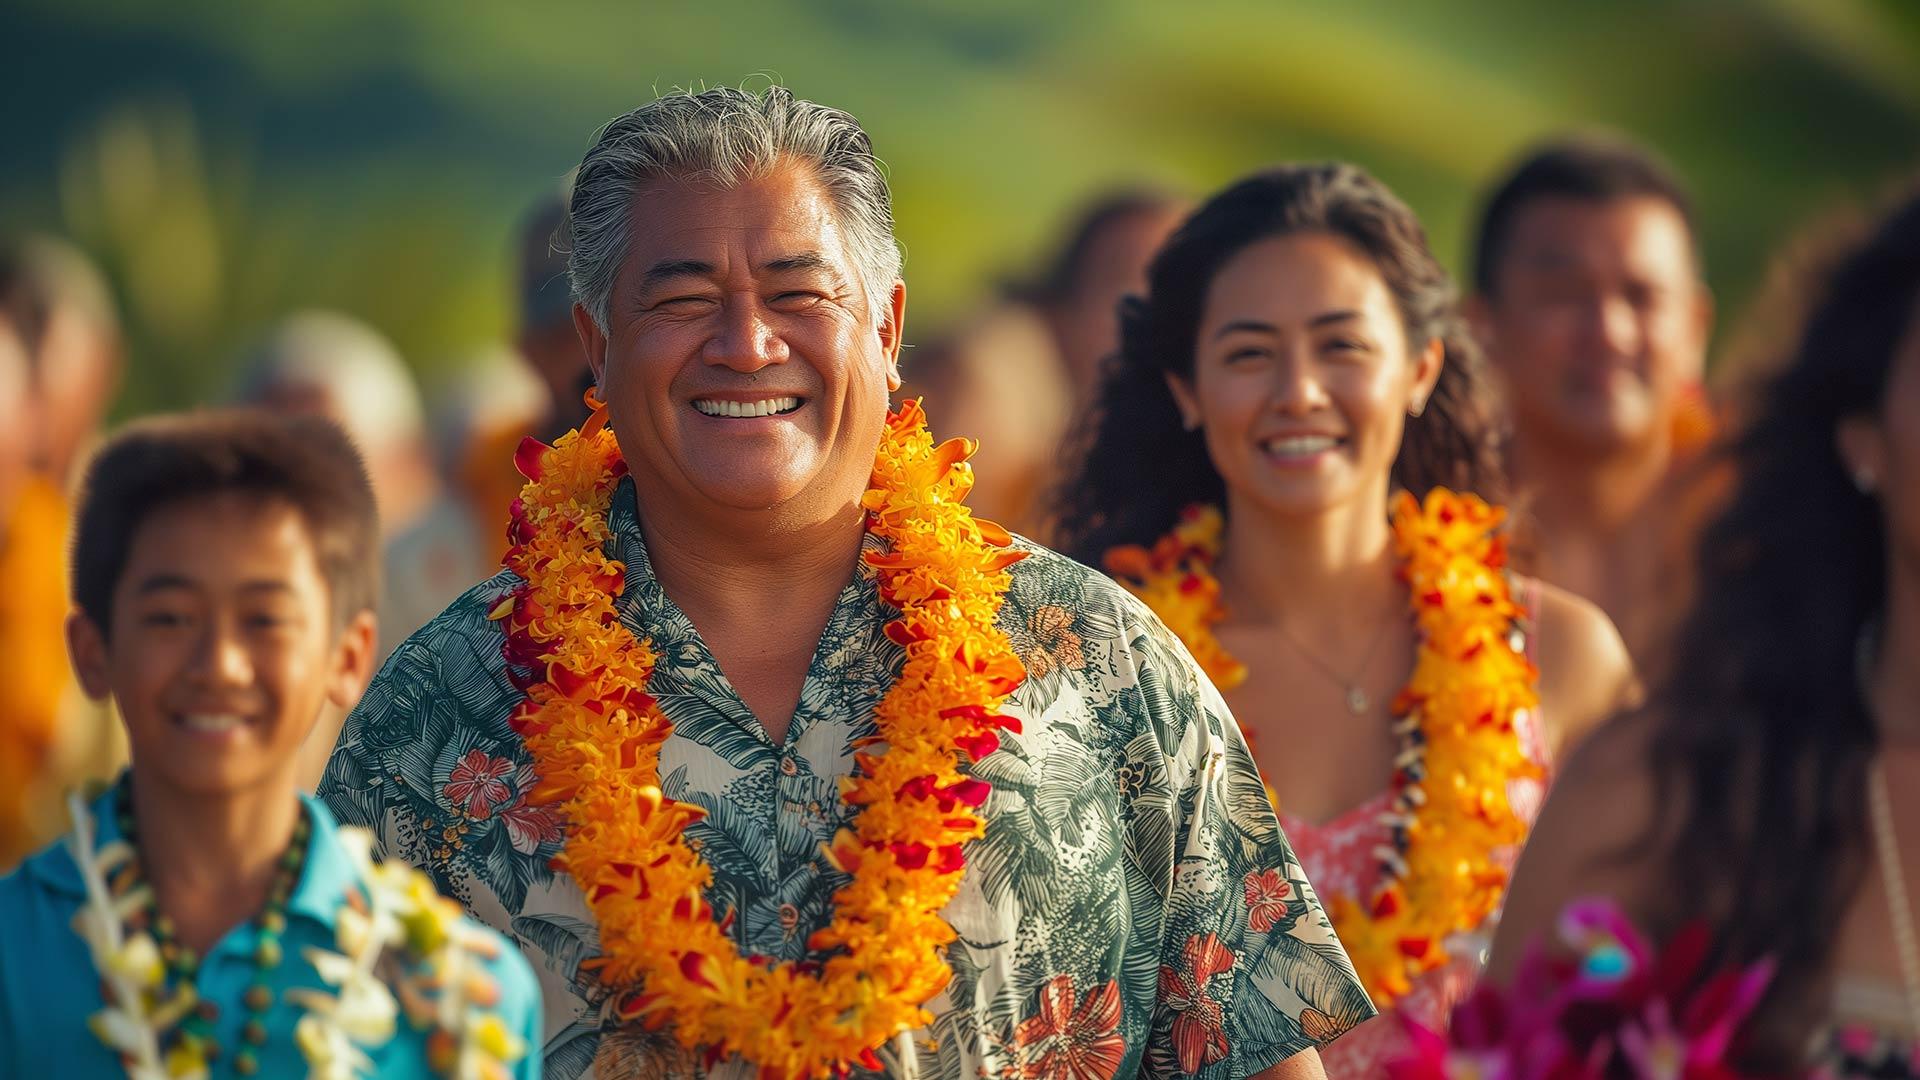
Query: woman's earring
x,y
1419,406
1864,479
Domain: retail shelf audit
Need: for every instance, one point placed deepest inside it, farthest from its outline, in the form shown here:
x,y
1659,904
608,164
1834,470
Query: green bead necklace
x,y
183,965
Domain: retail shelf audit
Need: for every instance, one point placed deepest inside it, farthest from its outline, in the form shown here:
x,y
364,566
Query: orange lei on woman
x,y
1455,720
595,738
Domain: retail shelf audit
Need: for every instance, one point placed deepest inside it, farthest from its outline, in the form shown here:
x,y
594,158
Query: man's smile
x,y
734,408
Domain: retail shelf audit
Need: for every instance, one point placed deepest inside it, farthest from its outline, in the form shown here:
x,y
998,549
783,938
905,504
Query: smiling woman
x,y
1297,367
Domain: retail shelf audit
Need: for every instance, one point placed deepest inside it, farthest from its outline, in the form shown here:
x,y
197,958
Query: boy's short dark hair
x,y
305,460
1589,167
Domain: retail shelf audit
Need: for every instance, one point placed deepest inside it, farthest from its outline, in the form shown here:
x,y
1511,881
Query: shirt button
x,y
788,767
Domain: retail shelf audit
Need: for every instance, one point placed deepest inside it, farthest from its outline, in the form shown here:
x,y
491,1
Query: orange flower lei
x,y
595,737
1459,745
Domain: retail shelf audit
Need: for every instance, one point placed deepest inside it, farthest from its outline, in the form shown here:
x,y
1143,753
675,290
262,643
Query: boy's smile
x,y
222,648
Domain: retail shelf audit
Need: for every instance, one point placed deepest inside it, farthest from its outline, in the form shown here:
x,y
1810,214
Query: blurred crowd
x,y
1586,289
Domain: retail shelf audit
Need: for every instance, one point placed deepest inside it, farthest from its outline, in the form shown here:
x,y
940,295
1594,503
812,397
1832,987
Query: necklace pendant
x,y
1357,701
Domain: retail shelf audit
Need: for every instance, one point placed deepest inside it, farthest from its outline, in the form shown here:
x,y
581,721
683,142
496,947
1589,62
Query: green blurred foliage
x,y
232,162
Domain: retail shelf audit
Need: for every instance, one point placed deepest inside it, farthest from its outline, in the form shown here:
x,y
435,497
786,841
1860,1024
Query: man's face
x,y
222,648
1597,320
743,366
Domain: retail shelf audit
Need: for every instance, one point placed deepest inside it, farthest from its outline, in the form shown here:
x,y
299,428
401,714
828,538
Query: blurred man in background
x,y
1590,303
72,330
547,340
1015,375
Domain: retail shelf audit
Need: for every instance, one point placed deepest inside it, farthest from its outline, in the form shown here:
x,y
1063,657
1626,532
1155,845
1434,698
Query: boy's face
x,y
223,648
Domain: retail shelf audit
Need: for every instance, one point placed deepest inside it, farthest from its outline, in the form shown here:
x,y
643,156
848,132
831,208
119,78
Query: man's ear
x,y
890,329
87,648
594,341
353,660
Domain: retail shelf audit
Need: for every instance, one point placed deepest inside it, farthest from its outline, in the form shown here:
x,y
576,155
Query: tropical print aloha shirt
x,y
1133,909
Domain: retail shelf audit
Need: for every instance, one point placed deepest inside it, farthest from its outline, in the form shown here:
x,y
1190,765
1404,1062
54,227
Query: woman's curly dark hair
x,y
1760,742
1134,466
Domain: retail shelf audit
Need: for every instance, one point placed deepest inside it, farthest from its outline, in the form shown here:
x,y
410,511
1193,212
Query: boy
x,y
204,914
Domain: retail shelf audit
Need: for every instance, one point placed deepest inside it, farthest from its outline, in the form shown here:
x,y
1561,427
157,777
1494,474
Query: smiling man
x,y
1087,880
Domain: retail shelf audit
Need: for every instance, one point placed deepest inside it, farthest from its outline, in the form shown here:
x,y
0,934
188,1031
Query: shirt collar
x,y
324,877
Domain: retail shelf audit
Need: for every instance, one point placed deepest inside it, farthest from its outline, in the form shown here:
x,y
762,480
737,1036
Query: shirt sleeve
x,y
443,693
1250,970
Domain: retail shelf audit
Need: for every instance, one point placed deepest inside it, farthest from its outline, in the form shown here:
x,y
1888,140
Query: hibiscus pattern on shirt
x,y
1133,909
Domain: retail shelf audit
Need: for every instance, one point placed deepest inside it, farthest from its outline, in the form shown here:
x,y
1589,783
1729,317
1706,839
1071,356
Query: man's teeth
x,y
766,407
211,723
1301,444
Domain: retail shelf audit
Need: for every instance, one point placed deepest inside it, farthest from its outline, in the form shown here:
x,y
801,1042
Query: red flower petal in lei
x,y
902,634
970,791
920,787
1415,947
523,720
527,458
569,682
910,856
952,859
978,746
869,1061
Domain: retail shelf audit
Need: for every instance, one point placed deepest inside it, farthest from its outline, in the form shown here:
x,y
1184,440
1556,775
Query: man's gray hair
x,y
725,137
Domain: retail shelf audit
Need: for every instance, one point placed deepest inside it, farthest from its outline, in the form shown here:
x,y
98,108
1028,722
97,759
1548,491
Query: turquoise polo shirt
x,y
48,987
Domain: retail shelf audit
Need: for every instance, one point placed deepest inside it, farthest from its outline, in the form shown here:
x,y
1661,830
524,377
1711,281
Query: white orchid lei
x,y
395,926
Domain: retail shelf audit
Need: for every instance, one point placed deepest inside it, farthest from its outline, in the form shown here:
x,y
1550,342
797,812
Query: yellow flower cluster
x,y
1462,750
595,736
1175,579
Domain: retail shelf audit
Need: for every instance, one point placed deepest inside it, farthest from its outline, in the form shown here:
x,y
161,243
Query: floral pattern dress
x,y
1133,909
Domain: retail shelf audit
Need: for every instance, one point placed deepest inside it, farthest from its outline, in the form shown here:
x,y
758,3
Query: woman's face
x,y
1303,377
1883,450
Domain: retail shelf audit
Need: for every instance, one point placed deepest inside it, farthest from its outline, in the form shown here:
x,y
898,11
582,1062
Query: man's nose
x,y
1613,324
745,340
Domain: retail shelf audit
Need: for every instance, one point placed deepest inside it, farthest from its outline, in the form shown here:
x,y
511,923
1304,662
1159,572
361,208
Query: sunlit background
x,y
230,162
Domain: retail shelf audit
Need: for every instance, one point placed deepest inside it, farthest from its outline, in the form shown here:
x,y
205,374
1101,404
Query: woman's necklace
x,y
1359,702
194,1038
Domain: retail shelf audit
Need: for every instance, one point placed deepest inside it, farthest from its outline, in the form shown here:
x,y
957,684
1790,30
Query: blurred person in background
x,y
1770,790
481,413
1014,376
59,363
1589,300
547,338
1297,360
332,365
72,330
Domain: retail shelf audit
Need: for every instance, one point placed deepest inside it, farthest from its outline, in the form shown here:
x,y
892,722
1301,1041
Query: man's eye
x,y
163,619
1244,355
